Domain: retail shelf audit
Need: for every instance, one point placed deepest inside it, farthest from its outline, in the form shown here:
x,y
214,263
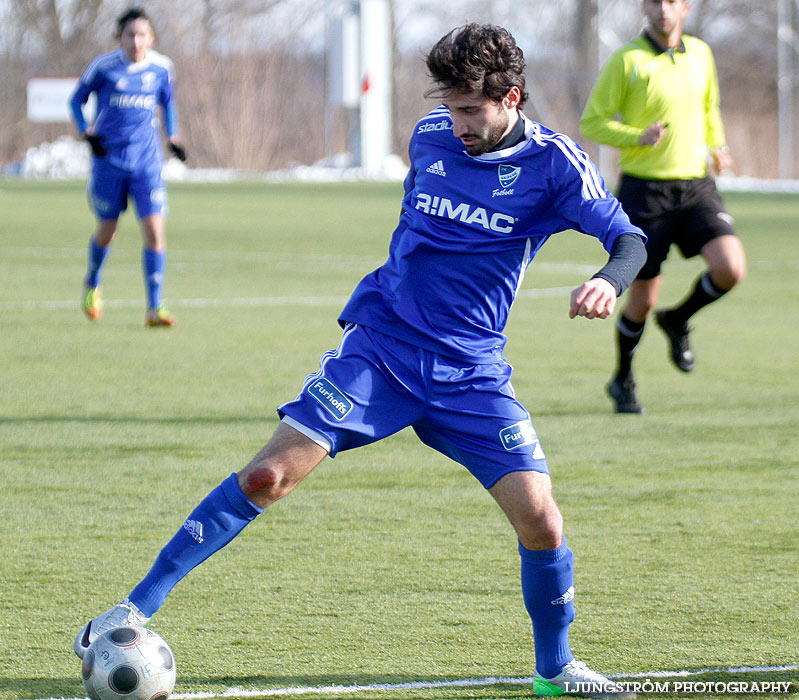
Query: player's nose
x,y
459,127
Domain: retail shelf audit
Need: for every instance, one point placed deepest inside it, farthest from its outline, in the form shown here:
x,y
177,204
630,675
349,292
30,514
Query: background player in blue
x,y
423,344
126,153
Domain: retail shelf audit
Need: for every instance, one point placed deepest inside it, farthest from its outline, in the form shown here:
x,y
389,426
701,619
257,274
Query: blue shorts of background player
x,y
373,385
109,189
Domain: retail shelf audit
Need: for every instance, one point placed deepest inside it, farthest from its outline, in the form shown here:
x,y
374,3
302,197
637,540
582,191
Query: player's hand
x,y
722,160
653,134
594,299
96,144
178,151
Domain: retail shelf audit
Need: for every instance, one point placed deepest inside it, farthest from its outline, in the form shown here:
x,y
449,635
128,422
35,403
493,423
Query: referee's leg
x,y
726,267
641,298
726,261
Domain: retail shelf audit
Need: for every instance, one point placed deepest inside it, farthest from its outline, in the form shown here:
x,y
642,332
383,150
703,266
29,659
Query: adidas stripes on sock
x,y
548,590
221,515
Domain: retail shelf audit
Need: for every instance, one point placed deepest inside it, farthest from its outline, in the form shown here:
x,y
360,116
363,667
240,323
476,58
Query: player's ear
x,y
512,98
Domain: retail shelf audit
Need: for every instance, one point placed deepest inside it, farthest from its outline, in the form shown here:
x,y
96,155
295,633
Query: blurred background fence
x,y
251,74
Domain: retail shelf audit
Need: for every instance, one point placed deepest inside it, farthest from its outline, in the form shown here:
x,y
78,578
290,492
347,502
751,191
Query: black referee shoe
x,y
681,354
622,391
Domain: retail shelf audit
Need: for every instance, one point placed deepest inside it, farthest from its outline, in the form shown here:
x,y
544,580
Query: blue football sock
x,y
153,263
548,590
221,515
97,257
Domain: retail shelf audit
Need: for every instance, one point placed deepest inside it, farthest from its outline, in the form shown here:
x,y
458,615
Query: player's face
x,y
137,39
665,17
480,122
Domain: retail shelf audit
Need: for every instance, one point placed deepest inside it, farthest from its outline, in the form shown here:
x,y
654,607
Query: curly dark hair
x,y
477,58
130,15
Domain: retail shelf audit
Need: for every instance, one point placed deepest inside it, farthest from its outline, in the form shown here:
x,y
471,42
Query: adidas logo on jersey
x,y
437,168
195,529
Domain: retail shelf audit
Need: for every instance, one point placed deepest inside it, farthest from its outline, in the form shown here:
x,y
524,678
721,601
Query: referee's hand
x,y
96,144
653,134
721,158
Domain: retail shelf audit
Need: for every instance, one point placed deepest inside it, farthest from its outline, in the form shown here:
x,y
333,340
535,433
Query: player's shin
x,y
221,515
548,590
154,266
97,256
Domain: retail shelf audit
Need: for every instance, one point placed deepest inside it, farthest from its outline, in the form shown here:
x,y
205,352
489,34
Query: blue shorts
x,y
109,188
373,385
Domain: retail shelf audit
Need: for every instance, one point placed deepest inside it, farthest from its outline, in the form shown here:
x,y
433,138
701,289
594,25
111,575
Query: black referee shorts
x,y
687,213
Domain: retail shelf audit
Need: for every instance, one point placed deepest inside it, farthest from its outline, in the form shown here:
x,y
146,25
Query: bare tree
x,y
251,73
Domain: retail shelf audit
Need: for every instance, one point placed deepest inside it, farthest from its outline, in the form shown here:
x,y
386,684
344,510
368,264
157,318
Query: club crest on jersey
x,y
331,397
508,174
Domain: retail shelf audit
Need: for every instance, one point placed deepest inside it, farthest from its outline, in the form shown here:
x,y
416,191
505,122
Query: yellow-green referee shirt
x,y
644,84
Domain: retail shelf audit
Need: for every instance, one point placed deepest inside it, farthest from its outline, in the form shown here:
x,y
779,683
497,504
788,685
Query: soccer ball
x,y
128,663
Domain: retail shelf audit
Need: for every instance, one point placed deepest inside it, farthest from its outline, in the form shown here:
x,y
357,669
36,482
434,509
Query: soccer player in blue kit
x,y
422,344
130,83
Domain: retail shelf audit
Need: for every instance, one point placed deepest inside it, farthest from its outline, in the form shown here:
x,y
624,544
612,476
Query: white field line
x,y
248,256
339,259
176,303
255,302
331,690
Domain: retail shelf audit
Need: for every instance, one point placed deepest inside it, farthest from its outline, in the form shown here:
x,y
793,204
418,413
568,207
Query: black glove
x,y
96,144
178,151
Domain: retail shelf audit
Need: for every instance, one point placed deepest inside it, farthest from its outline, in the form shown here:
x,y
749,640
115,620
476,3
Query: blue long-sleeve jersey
x,y
127,97
470,226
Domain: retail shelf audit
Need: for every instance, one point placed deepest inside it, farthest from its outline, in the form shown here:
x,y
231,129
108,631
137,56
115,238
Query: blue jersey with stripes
x,y
128,95
470,225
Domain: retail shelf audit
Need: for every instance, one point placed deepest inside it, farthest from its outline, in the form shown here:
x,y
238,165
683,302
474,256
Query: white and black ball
x,y
128,663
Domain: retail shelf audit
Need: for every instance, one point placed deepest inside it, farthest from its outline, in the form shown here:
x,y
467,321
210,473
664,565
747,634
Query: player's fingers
x,y
601,311
588,306
598,306
586,310
574,302
578,301
610,306
593,303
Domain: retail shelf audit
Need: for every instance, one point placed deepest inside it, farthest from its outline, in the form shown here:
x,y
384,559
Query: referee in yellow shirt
x,y
664,86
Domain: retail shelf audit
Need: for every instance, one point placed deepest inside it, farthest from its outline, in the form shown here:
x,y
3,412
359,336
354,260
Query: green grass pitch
x,y
389,564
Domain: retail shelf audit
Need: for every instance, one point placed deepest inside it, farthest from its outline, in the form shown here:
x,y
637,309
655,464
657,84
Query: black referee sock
x,y
704,292
628,335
